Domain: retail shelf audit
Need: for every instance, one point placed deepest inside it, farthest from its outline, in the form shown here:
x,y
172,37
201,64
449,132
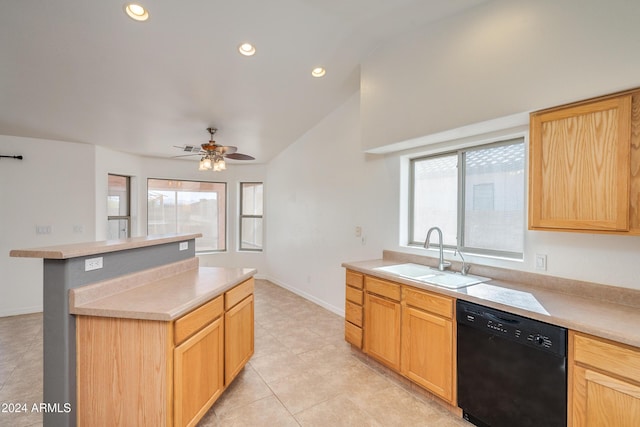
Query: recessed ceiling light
x,y
136,12
318,72
247,49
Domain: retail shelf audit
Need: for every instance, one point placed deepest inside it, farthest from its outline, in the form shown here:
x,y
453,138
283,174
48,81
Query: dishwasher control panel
x,y
530,332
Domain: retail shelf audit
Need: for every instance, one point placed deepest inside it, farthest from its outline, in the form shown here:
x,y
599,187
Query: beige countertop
x,y
163,293
75,250
561,302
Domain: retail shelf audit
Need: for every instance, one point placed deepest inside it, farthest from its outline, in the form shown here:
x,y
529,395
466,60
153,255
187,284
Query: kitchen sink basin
x,y
432,276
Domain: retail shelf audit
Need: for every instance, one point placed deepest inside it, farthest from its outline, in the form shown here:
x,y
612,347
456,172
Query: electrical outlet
x,y
43,229
541,262
358,231
184,246
92,264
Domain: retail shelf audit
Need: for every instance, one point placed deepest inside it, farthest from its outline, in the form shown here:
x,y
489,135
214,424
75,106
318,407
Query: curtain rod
x,y
12,157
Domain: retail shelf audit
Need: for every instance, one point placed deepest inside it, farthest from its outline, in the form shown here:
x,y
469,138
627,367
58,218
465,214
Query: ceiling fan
x,y
213,155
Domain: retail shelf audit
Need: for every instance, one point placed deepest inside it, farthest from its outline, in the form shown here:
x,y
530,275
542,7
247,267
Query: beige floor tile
x,y
265,344
393,406
247,388
267,412
303,390
301,340
338,411
275,366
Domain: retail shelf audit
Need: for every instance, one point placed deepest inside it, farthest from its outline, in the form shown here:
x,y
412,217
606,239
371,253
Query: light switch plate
x,y
541,262
184,246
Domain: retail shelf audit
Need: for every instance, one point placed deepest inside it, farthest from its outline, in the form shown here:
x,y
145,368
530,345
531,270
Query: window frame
x,y
226,209
128,192
460,154
242,216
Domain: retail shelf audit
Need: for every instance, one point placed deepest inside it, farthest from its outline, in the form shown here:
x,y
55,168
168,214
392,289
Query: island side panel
x,y
59,326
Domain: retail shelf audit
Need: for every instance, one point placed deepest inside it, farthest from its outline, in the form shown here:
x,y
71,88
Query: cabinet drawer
x,y
615,358
354,295
355,279
382,288
353,334
428,301
353,313
238,293
192,322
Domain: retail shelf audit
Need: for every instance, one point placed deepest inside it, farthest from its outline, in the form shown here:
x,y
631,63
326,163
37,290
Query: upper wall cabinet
x,y
584,166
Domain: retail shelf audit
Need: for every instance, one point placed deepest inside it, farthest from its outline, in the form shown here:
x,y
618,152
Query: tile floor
x,y
302,374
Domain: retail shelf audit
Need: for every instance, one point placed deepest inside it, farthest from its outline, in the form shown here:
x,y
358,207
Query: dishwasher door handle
x,y
501,319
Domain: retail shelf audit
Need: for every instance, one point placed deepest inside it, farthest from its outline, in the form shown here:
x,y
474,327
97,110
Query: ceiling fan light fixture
x,y
205,164
247,49
219,164
212,155
318,72
136,12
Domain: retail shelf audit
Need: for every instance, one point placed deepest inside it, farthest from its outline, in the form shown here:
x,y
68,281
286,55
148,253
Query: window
x,y
476,196
188,207
251,207
118,207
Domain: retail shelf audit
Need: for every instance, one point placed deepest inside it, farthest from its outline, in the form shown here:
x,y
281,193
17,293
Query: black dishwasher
x,y
512,371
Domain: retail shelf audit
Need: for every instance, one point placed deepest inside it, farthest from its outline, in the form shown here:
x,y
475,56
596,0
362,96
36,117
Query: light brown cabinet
x,y
150,372
409,330
382,321
427,341
197,373
354,313
238,341
584,166
124,372
604,380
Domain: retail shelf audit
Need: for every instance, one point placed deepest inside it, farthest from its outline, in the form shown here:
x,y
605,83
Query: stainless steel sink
x,y
424,274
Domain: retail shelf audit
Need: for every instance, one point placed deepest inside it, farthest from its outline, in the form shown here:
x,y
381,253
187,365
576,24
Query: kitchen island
x,y
143,305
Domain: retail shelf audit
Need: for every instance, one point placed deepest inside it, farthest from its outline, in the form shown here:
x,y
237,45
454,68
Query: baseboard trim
x,y
20,311
307,296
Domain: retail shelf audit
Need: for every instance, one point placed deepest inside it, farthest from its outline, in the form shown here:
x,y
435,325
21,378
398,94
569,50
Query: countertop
x,y
564,307
164,293
75,250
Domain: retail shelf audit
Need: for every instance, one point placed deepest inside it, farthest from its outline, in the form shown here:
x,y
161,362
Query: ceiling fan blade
x,y
188,155
239,156
188,148
226,149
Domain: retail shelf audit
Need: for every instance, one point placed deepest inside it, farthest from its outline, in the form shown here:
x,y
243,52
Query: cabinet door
x,y
603,401
198,373
580,166
427,351
238,338
382,330
123,372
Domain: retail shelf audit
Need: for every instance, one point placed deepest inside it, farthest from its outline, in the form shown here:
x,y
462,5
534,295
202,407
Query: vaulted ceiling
x,y
83,71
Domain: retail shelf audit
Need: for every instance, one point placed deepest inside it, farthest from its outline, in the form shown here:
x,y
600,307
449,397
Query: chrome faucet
x,y
465,267
442,264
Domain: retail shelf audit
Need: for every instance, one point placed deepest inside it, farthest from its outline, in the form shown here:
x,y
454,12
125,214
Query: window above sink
x,y
475,195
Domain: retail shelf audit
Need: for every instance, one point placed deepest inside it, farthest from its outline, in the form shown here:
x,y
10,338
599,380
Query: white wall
x,y
500,58
64,185
319,190
142,168
53,186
